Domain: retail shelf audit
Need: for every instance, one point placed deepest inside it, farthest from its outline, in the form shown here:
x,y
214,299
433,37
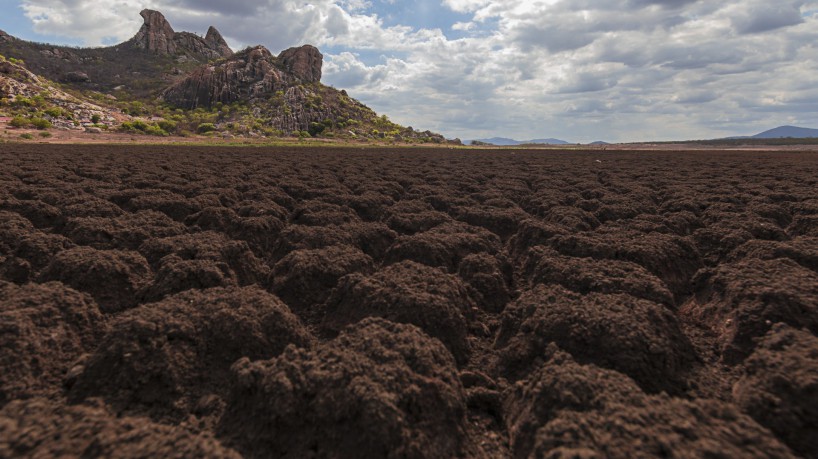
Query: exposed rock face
x,y
304,62
197,46
216,42
156,34
247,74
76,77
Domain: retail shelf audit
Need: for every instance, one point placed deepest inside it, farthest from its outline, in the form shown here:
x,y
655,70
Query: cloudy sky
x,y
579,70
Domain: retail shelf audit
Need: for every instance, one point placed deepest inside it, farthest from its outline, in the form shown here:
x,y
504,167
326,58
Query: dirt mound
x,y
415,216
39,428
41,214
112,277
543,265
671,258
172,358
198,261
490,279
320,213
406,292
637,337
24,250
741,301
778,387
531,233
377,390
127,231
443,246
259,231
372,238
305,278
503,221
804,225
570,410
802,250
174,205
44,329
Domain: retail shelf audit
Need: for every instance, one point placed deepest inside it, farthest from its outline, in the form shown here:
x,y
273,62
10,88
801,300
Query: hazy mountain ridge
x,y
783,132
503,141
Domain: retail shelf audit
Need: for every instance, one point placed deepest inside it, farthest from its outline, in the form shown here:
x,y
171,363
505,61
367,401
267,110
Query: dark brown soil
x,y
161,301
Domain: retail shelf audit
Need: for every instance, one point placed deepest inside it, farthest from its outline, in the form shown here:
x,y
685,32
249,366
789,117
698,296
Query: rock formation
x,y
249,74
217,43
304,62
157,36
245,75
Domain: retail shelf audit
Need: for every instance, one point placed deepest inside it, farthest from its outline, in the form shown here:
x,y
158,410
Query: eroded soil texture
x,y
407,303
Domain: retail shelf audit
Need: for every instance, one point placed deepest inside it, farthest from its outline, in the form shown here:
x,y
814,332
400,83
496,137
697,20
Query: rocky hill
x,y
198,84
24,92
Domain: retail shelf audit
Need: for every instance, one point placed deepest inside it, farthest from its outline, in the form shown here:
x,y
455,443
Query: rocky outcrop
x,y
157,36
247,74
304,62
217,43
196,46
76,77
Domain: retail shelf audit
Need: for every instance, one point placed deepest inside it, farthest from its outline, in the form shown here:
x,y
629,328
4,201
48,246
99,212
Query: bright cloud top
x,y
581,70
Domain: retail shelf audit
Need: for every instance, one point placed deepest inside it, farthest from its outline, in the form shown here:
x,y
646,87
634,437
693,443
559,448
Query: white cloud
x,y
577,69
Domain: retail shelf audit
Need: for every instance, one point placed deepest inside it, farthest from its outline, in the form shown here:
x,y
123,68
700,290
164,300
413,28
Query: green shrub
x,y
315,129
54,112
133,126
167,126
45,134
18,122
206,127
95,118
26,136
155,130
40,123
21,101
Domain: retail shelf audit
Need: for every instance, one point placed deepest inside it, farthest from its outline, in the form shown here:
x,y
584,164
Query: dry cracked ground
x,y
407,303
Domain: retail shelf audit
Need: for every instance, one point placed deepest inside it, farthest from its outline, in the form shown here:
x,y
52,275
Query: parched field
x,y
407,303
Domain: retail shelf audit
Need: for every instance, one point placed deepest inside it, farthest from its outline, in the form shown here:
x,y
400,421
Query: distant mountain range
x,y
504,142
783,132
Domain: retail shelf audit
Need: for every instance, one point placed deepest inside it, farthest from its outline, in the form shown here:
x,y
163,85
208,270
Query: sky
x,y
578,70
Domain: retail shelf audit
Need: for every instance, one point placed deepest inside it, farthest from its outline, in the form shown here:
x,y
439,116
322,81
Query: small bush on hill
x,y
206,127
40,123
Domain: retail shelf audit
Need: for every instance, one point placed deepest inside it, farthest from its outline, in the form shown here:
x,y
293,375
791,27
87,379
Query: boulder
x,y
304,62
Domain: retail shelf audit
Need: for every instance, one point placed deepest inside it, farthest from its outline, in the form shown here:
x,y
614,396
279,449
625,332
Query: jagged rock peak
x,y
304,62
217,43
156,34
